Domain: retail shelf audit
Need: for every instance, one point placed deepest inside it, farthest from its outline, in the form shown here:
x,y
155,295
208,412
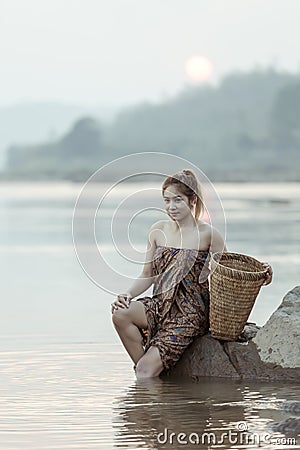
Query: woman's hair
x,y
188,184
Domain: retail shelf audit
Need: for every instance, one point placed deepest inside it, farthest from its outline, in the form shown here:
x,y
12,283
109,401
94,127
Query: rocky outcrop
x,y
279,339
209,357
205,358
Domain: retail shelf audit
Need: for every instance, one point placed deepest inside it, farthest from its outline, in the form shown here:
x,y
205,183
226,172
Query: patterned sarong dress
x,y
178,310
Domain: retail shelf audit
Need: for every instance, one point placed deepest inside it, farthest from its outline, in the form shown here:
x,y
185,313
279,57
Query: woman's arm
x,y
146,278
140,285
217,243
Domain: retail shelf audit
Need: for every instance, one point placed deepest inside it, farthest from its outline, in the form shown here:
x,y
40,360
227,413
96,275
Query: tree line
x,y
245,129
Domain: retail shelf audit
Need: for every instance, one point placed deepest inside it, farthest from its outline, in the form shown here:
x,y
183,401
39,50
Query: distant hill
x,y
32,122
246,129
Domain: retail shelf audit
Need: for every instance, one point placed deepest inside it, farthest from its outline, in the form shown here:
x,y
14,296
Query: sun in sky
x,y
199,68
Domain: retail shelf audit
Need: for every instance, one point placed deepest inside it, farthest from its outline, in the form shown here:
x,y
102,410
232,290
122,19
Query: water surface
x,y
65,380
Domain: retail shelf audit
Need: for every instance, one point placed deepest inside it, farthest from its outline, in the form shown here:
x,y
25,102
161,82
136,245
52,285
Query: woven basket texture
x,y
235,282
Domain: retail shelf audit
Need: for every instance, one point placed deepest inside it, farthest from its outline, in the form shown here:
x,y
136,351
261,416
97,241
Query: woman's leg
x,y
149,365
127,322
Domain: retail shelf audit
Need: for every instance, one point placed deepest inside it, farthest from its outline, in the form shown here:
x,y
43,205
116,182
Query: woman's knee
x,y
134,314
121,317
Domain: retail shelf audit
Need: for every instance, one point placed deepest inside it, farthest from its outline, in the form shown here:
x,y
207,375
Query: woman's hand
x,y
123,301
269,274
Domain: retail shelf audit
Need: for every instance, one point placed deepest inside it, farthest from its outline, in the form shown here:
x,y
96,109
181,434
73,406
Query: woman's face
x,y
176,203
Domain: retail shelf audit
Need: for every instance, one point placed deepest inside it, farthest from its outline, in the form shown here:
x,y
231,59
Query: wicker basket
x,y
235,282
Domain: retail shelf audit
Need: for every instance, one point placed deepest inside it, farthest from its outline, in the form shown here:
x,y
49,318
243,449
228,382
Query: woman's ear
x,y
193,200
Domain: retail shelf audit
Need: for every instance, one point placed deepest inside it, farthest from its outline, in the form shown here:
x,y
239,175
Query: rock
x,y
205,357
249,332
278,341
209,357
246,361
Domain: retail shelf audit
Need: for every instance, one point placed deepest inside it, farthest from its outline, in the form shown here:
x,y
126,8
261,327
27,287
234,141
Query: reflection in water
x,y
84,396
220,413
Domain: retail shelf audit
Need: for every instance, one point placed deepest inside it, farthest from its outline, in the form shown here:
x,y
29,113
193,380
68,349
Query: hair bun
x,y
187,172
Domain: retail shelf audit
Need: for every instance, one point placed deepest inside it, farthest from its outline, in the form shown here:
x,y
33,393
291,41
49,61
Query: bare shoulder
x,y
158,225
204,229
214,236
155,229
203,226
217,241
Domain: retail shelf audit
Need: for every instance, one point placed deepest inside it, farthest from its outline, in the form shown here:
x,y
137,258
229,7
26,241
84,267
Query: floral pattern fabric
x,y
178,310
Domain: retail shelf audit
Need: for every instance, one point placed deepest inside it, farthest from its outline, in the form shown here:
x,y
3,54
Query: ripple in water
x,y
85,396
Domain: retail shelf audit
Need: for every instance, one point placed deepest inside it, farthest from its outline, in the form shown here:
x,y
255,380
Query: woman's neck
x,y
187,223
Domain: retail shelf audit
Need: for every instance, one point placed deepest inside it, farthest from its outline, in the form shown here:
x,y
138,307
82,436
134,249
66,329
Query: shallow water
x,y
65,380
83,395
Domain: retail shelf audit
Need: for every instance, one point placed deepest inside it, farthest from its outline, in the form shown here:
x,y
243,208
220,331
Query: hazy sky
x,y
124,51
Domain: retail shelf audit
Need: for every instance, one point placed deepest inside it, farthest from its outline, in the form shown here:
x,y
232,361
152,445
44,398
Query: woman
x,y
156,330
